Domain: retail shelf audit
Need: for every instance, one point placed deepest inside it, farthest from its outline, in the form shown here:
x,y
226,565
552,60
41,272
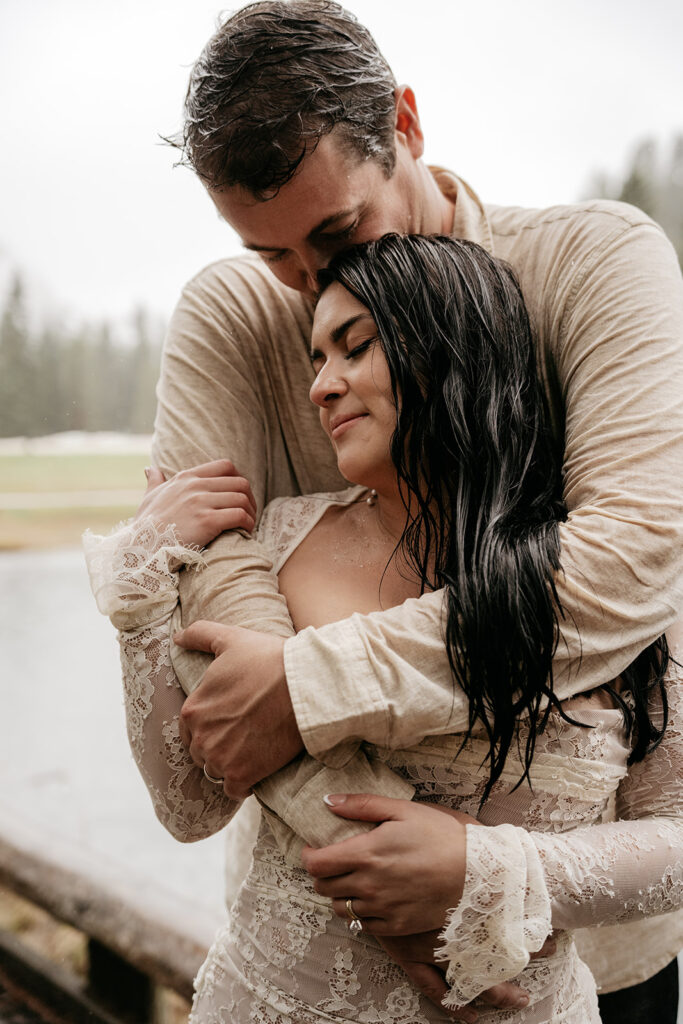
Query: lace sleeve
x,y
519,884
134,577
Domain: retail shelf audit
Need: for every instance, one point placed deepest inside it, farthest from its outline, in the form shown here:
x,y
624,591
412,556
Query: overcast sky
x,y
526,99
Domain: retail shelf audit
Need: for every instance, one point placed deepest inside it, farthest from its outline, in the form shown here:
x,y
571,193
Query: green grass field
x,y
35,473
43,474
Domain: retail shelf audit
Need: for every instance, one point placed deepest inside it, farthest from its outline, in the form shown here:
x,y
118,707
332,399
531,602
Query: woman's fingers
x,y
201,502
217,467
369,807
154,477
227,484
229,498
361,908
230,519
386,867
338,859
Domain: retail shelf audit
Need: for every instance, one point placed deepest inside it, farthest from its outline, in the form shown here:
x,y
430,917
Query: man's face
x,y
334,200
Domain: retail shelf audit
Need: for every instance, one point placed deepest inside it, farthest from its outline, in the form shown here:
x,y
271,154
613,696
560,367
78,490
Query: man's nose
x,y
309,265
299,270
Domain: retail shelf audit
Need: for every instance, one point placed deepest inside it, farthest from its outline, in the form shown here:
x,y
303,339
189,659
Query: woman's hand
x,y
200,502
405,875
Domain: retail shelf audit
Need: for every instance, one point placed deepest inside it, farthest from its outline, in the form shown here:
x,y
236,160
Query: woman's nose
x,y
326,386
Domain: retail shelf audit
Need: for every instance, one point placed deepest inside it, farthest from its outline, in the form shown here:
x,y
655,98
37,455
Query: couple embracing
x,y
473,632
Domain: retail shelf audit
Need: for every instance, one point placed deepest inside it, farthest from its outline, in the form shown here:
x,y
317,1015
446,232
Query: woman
x,y
427,387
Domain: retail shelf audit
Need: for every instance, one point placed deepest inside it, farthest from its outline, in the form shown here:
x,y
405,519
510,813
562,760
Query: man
x,y
306,144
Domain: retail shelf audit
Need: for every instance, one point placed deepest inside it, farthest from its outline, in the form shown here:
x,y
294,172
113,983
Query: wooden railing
x,y
140,934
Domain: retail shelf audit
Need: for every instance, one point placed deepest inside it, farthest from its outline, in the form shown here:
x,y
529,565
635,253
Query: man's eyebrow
x,y
324,224
313,233
261,248
338,332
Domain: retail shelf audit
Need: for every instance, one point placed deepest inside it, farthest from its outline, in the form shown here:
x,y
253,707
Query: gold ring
x,y
216,782
355,924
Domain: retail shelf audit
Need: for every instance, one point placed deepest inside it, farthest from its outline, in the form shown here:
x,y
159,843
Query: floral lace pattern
x,y
286,521
134,577
545,860
613,872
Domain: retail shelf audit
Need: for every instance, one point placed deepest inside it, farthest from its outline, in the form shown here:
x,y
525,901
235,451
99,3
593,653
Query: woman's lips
x,y
339,427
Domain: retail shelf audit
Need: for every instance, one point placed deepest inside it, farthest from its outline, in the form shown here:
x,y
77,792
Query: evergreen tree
x,y
144,372
654,185
17,369
51,385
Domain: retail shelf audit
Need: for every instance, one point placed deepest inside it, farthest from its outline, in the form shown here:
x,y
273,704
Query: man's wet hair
x,y
276,78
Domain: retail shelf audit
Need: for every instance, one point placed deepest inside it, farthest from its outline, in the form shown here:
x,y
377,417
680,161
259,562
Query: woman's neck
x,y
390,510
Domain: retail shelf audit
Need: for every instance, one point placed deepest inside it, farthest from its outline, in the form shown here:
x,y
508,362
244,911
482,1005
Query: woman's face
x,y
353,388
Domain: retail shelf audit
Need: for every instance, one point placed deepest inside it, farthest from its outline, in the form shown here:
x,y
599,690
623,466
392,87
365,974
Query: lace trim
x,y
134,571
286,521
503,916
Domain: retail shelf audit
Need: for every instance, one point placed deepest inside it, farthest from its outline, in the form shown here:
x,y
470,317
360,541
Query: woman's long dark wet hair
x,y
479,474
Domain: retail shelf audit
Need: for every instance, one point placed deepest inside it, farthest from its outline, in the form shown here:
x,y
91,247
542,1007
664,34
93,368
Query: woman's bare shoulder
x,y
288,520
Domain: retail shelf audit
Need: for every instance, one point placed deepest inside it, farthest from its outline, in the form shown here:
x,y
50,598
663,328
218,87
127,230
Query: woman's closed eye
x,y
359,349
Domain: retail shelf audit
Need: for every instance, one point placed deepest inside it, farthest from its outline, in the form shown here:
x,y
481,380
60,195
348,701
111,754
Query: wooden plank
x,y
157,931
49,993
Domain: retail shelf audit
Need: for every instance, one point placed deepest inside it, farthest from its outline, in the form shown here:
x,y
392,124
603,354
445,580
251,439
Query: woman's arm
x,y
502,889
134,576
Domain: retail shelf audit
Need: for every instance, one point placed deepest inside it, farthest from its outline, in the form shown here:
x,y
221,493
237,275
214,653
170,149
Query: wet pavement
x,y
65,764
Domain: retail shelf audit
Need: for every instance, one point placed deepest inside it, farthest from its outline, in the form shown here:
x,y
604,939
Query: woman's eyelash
x,y
359,349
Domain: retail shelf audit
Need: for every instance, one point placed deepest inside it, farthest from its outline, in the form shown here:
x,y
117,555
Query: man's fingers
x,y
549,948
202,636
505,996
430,982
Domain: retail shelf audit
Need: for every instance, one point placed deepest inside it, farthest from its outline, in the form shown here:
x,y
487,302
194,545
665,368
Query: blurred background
x,y
534,103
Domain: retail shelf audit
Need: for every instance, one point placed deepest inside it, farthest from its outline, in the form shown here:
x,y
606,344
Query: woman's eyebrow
x,y
337,333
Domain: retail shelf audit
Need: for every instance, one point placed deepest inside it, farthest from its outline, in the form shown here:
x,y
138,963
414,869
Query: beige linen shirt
x,y
606,302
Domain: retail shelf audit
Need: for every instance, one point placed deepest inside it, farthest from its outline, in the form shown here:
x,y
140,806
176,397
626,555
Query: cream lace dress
x,y
545,862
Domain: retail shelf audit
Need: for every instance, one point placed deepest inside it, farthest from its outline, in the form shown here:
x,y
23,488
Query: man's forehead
x,y
327,190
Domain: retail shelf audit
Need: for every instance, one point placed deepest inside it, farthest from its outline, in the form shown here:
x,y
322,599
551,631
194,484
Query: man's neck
x,y
439,209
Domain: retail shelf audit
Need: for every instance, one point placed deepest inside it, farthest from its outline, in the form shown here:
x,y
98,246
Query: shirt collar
x,y
469,220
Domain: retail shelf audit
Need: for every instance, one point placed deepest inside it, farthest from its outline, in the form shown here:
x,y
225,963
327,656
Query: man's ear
x,y
408,127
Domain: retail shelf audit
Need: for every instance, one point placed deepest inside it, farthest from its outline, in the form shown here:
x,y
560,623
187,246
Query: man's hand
x,y
415,955
239,723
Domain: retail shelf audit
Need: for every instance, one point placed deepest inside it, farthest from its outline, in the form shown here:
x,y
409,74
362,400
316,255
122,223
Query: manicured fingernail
x,y
334,799
521,1002
177,636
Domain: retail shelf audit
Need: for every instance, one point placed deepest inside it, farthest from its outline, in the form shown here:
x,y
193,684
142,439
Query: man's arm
x,y
619,366
221,389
